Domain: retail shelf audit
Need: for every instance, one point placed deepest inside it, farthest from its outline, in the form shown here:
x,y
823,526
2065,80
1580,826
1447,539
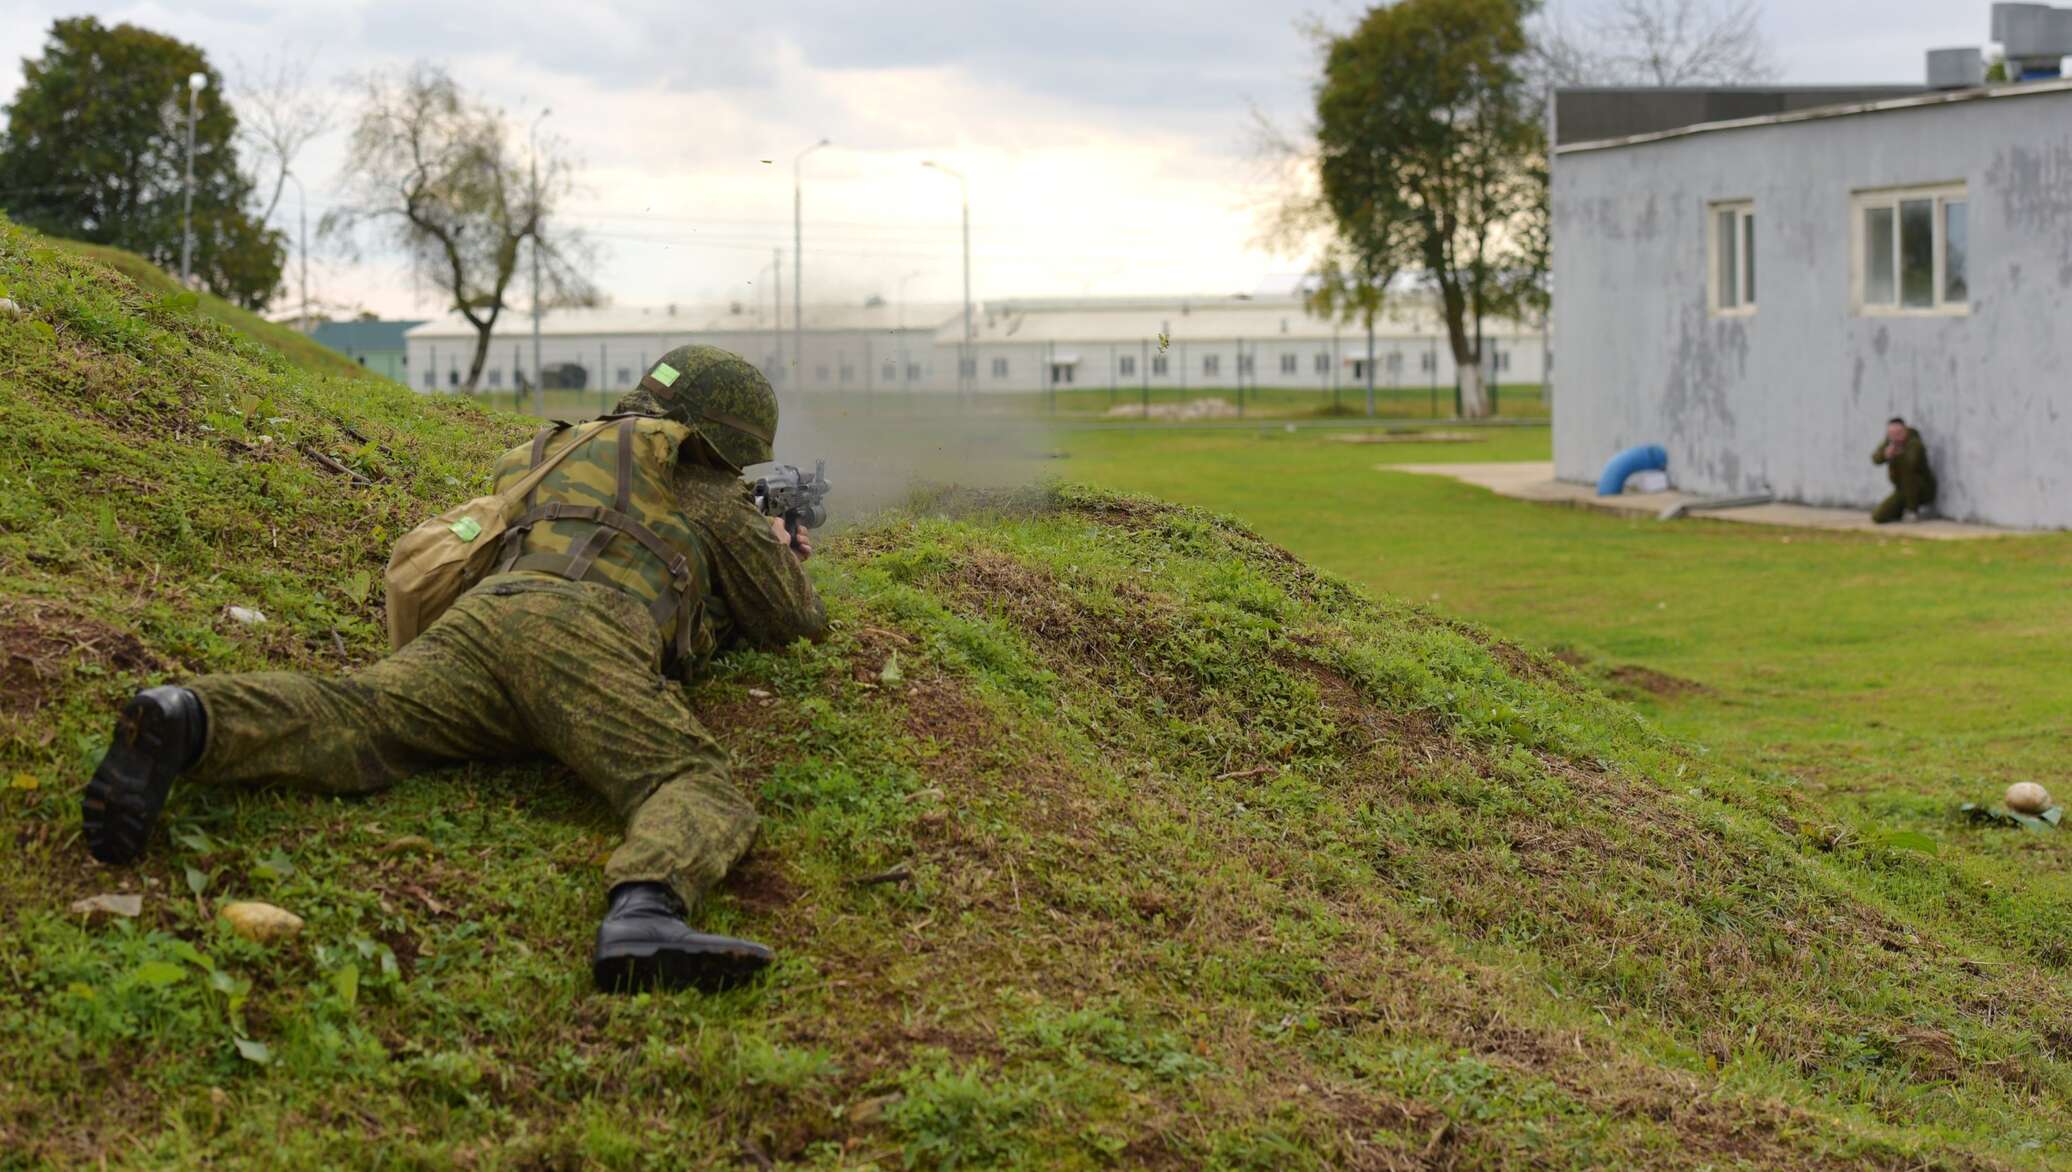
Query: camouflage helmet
x,y
718,394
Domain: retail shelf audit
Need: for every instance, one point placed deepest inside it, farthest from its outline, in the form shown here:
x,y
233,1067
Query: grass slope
x,y
296,346
1180,854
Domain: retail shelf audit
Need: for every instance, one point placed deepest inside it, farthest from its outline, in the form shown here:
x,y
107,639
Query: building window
x,y
1733,257
1395,361
1000,368
496,376
1287,364
1323,363
1428,362
431,381
1913,251
848,372
452,376
967,368
1126,365
889,371
1244,363
913,372
626,376
1211,364
820,372
1158,364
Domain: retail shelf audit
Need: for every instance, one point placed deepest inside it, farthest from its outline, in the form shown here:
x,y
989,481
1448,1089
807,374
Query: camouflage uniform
x,y
1913,483
531,663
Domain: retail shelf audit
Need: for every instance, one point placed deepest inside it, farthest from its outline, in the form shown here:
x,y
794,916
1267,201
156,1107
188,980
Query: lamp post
x,y
196,82
539,382
902,296
967,366
302,246
798,261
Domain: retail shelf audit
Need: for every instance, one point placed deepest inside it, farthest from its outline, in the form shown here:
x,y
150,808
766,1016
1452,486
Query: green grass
x,y
292,344
1212,860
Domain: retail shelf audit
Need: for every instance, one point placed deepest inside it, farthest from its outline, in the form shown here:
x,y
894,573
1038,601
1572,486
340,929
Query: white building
x,y
1211,344
1760,295
1216,344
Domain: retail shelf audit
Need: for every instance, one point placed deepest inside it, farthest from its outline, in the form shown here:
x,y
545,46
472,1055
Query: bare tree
x,y
278,115
432,171
1656,42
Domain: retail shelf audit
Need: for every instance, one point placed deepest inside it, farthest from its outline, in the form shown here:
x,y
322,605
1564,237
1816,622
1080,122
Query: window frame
x,y
1743,211
1939,197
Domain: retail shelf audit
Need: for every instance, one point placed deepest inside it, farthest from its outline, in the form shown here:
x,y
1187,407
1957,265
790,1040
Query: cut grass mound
x,y
295,346
1100,833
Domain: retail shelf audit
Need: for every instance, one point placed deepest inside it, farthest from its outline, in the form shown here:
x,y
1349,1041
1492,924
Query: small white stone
x,y
2026,797
260,921
10,309
245,615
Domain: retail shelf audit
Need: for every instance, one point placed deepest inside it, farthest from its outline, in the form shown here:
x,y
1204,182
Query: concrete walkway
x,y
1535,482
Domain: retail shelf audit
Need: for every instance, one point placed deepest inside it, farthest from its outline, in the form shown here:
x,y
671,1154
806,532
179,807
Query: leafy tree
x,y
96,150
1431,159
432,172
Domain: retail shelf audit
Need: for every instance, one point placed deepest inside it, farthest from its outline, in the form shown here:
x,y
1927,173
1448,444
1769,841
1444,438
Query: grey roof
x,y
720,318
361,337
2025,89
1130,320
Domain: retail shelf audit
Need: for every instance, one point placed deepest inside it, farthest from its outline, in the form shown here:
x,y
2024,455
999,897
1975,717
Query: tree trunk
x,y
1474,397
482,333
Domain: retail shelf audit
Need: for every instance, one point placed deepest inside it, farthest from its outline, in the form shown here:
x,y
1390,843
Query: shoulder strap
x,y
524,488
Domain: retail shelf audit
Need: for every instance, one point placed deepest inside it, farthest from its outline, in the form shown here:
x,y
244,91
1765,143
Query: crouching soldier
x,y
1906,463
640,555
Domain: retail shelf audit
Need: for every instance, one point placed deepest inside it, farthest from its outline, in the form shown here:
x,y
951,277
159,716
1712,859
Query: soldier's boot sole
x,y
157,734
709,964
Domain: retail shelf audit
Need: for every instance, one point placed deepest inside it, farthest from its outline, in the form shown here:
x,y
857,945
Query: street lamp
x,y
967,366
539,382
798,262
196,82
902,296
302,212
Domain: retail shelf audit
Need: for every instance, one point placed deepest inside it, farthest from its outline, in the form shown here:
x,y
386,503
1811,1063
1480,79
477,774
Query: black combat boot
x,y
644,943
159,733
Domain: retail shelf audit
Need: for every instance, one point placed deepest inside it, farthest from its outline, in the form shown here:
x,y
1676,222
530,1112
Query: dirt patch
x,y
1655,683
43,645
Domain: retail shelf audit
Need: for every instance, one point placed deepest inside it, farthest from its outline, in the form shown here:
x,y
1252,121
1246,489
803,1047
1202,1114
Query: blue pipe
x,y
1645,458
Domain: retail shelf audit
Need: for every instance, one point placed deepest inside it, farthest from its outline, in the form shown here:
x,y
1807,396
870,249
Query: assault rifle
x,y
795,496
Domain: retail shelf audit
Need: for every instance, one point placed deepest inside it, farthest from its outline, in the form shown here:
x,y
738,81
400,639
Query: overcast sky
x,y
1107,144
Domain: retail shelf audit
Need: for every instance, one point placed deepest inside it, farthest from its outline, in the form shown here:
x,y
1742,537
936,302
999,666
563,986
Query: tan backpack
x,y
438,561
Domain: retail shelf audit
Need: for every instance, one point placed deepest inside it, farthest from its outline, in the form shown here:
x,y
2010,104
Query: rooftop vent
x,y
1956,69
2036,38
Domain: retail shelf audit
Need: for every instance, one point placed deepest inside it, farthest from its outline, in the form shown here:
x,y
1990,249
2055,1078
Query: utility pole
x,y
777,309
539,382
966,362
196,82
798,264
302,213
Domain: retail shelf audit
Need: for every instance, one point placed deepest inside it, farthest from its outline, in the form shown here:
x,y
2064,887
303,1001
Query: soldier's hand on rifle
x,y
801,545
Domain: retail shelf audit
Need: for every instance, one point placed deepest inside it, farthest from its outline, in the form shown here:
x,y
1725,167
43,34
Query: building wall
x,y
1792,398
616,362
869,361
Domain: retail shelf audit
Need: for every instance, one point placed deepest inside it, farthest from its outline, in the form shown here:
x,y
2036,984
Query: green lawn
x,y
1100,833
1896,677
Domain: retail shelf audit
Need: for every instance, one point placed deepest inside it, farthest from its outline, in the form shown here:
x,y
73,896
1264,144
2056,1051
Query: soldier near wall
x,y
1906,461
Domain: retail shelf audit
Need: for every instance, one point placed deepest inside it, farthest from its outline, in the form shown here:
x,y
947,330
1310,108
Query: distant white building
x,y
1209,344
